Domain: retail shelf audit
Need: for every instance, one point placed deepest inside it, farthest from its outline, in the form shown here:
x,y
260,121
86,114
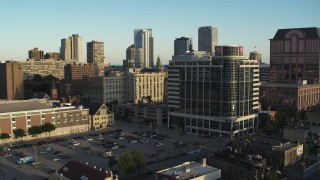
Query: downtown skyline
x,y
43,24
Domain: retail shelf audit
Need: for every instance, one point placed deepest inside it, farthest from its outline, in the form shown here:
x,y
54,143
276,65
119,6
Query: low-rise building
x,y
278,151
289,96
83,171
303,170
189,170
100,116
149,112
28,113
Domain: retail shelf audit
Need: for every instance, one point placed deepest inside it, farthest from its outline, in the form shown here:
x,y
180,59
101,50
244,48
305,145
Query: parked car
x,y
158,144
133,141
56,159
190,152
115,147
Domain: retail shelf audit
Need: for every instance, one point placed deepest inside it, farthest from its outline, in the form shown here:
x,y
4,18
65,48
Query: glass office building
x,y
216,96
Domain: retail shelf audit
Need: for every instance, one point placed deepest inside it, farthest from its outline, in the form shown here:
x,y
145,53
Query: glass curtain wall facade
x,y
217,97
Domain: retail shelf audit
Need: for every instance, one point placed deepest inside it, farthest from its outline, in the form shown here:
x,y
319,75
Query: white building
x,y
190,170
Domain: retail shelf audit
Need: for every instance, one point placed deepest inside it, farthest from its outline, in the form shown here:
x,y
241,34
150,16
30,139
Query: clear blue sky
x,y
25,24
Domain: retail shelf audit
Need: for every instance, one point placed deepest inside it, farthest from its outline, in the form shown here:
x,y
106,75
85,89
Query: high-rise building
x,y
255,55
65,49
142,85
294,70
207,39
95,55
139,58
52,55
11,81
215,97
182,45
71,48
36,54
130,52
143,39
76,50
78,75
158,67
295,55
107,89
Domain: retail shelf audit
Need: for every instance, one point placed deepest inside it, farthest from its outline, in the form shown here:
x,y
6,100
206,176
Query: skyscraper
x,y
95,55
130,52
255,55
11,81
143,39
76,48
218,96
71,48
65,49
181,45
36,54
207,39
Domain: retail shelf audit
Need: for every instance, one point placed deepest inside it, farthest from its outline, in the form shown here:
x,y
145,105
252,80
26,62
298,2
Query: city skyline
x,y
247,23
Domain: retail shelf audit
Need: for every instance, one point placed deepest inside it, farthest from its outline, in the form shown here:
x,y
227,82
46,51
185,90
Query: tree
x,y
4,136
131,161
126,164
34,131
19,133
138,159
47,128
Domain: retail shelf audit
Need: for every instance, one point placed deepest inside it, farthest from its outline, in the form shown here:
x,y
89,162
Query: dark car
x,y
118,130
18,154
57,152
86,148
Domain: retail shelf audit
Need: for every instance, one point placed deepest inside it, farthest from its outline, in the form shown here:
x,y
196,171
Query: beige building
x,y
71,48
144,84
43,68
100,116
11,81
107,89
28,113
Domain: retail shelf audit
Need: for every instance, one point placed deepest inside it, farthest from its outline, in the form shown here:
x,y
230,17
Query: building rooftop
x,y
285,147
16,106
310,32
188,170
288,85
83,171
302,165
263,142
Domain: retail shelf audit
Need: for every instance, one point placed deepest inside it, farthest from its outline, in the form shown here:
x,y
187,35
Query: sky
x,y
25,24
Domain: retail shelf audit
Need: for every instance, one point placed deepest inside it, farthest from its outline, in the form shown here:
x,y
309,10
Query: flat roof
x,y
188,170
287,85
22,106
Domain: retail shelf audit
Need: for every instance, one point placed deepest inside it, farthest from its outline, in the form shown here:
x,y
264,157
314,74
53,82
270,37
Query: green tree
x,y
131,161
47,128
4,136
19,133
139,160
34,131
126,164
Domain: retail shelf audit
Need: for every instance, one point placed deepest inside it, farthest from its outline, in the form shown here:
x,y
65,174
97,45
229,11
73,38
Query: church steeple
x,y
159,68
54,91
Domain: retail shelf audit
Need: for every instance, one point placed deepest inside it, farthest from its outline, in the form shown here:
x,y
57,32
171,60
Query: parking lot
x,y
51,154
